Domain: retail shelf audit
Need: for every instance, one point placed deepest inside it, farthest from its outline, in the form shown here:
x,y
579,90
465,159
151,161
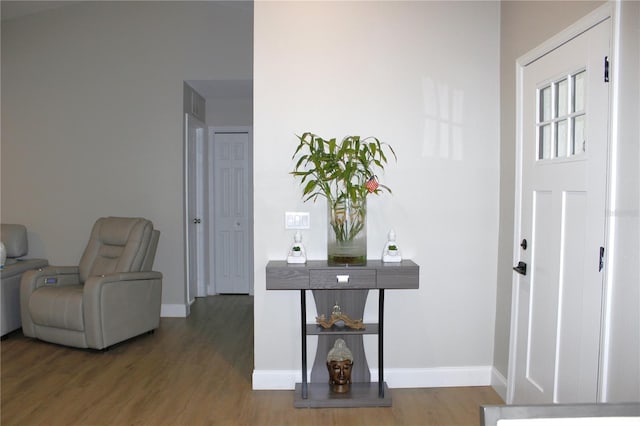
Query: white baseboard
x,y
395,377
499,383
276,379
174,311
439,377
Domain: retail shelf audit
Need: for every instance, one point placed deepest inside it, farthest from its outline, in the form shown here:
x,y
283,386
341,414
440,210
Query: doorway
x,y
563,118
219,219
209,105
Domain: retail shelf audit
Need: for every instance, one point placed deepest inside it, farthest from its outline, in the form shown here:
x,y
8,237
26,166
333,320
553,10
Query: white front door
x,y
558,299
233,266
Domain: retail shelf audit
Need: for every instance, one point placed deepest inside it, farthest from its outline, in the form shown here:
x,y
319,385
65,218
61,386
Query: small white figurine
x,y
297,253
391,252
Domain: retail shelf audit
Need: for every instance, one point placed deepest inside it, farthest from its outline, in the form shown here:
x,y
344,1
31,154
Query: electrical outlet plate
x,y
297,220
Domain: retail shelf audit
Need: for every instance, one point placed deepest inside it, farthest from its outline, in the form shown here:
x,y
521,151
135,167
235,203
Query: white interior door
x,y
557,303
233,218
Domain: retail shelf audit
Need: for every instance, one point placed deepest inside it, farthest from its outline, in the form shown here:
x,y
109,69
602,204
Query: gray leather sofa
x,y
14,238
111,296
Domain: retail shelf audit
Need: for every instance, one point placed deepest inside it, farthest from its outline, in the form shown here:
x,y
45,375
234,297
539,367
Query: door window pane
x,y
562,98
578,144
578,91
545,144
545,104
561,138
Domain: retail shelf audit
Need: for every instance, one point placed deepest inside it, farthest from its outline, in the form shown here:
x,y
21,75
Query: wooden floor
x,y
191,371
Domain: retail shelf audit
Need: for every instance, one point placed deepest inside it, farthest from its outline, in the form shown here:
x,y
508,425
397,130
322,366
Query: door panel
x,y
540,345
572,278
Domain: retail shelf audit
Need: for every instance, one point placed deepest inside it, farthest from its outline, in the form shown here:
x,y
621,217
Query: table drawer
x,y
287,277
337,278
398,276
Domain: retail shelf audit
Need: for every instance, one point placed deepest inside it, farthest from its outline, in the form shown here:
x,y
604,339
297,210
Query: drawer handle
x,y
342,279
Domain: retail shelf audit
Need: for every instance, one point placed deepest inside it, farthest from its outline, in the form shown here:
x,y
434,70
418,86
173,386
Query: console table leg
x,y
303,327
380,341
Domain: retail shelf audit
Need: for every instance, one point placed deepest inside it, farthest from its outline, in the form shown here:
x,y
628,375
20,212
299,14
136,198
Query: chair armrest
x,y
121,305
31,280
20,266
51,275
123,276
62,270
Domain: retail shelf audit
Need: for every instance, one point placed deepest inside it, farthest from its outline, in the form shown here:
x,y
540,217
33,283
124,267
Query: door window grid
x,y
561,117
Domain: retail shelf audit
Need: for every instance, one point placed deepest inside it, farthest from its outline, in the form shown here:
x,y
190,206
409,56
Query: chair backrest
x,y
147,263
117,244
14,238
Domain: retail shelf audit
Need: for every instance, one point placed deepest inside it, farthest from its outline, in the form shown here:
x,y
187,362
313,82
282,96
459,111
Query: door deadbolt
x,y
523,244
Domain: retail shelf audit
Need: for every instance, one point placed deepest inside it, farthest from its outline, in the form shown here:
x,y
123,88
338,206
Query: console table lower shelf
x,y
359,395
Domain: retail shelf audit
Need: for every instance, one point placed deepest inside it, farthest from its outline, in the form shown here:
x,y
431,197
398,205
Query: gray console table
x,y
348,286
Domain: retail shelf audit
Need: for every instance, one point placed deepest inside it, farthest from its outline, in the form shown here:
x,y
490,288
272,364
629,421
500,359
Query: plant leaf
x,y
309,187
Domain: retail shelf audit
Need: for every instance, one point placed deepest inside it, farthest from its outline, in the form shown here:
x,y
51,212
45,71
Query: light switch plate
x,y
297,220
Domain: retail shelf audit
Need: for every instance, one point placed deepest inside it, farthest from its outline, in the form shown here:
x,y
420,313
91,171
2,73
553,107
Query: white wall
x,y
229,111
92,117
424,77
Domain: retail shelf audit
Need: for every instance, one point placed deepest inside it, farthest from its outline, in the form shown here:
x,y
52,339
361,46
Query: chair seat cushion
x,y
59,307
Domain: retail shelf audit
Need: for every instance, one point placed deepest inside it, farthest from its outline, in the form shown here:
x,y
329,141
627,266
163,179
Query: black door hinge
x,y
601,262
606,69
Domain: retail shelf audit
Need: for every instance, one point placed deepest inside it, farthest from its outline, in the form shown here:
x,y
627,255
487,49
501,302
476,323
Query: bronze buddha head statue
x,y
339,363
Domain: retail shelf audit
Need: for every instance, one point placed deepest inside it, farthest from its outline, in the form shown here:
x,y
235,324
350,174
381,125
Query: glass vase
x,y
347,232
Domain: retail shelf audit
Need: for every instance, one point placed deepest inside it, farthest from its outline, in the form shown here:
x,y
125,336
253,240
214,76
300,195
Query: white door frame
x,y
597,16
190,161
185,208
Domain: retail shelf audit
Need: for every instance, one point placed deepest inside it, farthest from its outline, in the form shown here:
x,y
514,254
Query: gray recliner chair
x,y
110,297
14,238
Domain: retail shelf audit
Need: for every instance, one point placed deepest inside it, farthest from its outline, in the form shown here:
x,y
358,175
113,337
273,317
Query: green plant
x,y
339,172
